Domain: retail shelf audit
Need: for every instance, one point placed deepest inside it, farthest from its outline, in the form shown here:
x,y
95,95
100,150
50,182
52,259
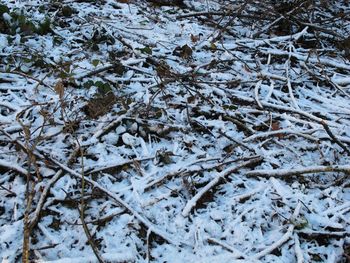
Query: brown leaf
x,y
186,52
59,89
194,38
97,107
163,69
275,126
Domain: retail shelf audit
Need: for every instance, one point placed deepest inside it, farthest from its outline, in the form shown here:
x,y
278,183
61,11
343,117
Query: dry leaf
x,y
186,52
194,38
163,69
59,89
97,107
275,126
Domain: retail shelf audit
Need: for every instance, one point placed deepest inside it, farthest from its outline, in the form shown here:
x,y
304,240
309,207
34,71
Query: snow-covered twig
x,y
13,166
256,94
34,217
262,135
115,197
114,166
283,173
189,168
193,202
334,138
105,129
297,249
283,239
235,252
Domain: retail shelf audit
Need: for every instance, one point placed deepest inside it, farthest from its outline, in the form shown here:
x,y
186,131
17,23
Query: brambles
x,y
216,131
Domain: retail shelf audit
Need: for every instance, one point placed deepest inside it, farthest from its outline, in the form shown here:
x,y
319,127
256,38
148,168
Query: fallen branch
x,y
235,252
13,167
190,168
277,133
242,144
95,72
111,125
117,165
280,173
283,239
143,220
311,234
193,168
34,218
334,138
297,249
193,202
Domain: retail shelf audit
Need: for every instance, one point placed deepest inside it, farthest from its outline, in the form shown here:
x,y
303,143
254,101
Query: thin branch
x,y
194,167
143,220
193,202
235,252
282,173
334,138
34,219
297,249
13,167
264,135
283,239
117,165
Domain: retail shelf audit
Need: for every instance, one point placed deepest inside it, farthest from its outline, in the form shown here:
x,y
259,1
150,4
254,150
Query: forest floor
x,y
195,131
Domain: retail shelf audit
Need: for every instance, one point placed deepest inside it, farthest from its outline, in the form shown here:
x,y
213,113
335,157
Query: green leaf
x,y
88,84
95,62
42,9
230,107
144,22
45,27
103,87
27,60
39,62
67,11
63,75
3,9
300,223
146,50
119,68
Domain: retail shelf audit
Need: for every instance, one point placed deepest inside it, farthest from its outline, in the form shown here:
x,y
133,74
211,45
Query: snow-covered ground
x,y
215,131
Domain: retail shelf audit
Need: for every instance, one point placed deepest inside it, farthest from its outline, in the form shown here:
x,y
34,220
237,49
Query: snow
x,y
237,151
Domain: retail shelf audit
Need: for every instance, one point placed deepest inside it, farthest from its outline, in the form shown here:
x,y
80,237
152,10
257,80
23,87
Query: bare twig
x,y
334,138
